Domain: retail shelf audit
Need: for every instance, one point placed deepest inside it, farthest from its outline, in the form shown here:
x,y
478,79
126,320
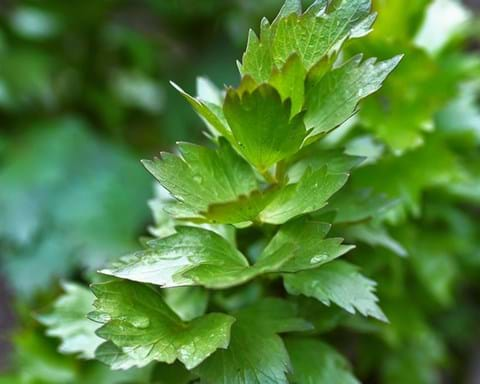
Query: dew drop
x,y
318,258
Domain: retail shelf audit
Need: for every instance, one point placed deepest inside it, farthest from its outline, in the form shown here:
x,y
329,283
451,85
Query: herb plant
x,y
265,173
242,281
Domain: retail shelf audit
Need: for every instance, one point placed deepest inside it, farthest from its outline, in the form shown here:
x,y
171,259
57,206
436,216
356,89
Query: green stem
x,y
280,171
269,177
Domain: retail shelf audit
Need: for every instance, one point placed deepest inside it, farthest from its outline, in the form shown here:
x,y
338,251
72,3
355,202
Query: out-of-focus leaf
x,y
60,203
397,21
34,23
419,351
137,90
40,362
171,373
433,261
406,177
403,111
317,362
68,321
353,206
462,115
338,282
375,235
443,19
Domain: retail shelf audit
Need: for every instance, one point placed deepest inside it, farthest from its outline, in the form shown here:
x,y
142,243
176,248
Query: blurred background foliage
x,y
84,95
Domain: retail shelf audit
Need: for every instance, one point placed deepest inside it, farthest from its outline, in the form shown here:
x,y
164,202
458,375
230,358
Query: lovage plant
x,y
242,236
265,174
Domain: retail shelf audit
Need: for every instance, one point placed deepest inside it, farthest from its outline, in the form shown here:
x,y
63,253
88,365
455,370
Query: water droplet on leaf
x,y
318,258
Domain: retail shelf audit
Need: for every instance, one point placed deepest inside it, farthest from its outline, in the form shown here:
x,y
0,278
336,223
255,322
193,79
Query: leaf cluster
x,y
240,281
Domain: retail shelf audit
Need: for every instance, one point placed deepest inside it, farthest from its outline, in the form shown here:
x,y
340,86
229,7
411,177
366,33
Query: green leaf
x,y
165,224
317,362
402,113
433,259
333,98
37,361
62,163
262,127
338,282
166,260
305,241
289,81
243,211
433,36
375,234
404,178
256,354
195,256
313,35
68,321
308,195
40,362
210,112
324,319
353,206
437,269
136,320
398,20
10,379
257,60
279,205
220,188
203,176
462,115
419,350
